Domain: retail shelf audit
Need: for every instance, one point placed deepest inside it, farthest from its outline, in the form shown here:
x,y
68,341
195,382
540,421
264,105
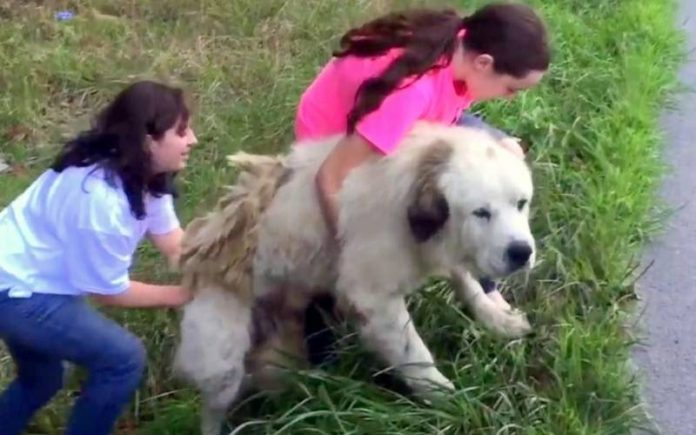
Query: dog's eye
x,y
482,213
521,203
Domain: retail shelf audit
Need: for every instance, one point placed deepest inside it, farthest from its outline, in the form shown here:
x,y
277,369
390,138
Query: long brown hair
x,y
513,34
116,142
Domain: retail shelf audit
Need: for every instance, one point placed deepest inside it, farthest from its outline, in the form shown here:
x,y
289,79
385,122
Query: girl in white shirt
x,y
72,234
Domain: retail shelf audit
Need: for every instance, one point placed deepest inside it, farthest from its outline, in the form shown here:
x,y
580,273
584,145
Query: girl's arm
x,y
350,152
142,295
169,244
376,134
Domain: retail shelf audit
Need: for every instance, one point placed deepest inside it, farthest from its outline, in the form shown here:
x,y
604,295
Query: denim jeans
x,y
471,120
41,332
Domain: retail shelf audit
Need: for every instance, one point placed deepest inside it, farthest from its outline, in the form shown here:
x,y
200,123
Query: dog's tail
x,y
220,246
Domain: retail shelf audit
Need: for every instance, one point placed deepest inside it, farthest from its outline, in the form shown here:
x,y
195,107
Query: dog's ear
x,y
427,215
428,210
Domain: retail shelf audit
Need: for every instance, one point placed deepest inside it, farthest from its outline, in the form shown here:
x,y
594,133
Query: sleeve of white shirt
x,y
98,261
98,241
162,215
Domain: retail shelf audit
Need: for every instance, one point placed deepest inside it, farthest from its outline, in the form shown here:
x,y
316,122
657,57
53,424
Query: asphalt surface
x,y
666,360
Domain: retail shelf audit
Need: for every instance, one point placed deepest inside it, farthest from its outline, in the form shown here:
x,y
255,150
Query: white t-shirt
x,y
72,233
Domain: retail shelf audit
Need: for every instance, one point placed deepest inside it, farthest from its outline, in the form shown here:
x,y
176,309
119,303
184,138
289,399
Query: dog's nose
x,y
518,254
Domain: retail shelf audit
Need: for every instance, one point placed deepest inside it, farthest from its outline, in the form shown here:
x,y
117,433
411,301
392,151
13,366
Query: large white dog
x,y
450,202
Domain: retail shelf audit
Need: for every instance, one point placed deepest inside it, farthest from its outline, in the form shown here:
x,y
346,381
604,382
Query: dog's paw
x,y
511,323
499,300
430,385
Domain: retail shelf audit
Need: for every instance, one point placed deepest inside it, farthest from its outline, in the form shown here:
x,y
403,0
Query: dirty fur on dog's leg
x,y
220,394
387,328
214,408
508,323
212,420
213,345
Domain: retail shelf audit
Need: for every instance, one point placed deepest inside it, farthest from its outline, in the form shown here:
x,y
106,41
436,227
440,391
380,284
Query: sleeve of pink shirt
x,y
385,127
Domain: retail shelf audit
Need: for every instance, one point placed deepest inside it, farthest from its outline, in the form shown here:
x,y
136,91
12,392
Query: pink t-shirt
x,y
325,105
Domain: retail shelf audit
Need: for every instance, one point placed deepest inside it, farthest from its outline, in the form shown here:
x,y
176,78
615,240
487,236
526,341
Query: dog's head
x,y
470,203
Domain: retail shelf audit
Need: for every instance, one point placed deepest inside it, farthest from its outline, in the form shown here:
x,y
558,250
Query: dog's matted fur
x,y
450,202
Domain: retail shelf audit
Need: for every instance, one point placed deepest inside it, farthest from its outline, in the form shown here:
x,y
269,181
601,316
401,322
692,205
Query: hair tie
x,y
462,27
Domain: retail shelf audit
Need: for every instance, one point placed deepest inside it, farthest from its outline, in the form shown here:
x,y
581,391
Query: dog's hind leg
x,y
505,322
211,354
217,399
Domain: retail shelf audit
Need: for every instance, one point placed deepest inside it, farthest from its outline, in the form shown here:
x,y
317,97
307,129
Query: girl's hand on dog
x,y
179,296
513,144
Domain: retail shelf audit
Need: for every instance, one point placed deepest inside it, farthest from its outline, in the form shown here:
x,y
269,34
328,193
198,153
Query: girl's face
x,y
484,83
170,152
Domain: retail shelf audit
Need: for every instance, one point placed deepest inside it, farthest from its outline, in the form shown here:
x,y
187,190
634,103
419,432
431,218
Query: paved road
x,y
667,361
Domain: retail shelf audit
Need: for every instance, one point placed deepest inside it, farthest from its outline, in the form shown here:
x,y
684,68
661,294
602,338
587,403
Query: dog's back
x,y
294,245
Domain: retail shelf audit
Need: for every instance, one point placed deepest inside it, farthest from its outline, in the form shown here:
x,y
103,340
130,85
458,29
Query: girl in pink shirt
x,y
417,65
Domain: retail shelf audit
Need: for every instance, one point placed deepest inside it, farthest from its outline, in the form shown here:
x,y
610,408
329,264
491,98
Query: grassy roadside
x,y
596,155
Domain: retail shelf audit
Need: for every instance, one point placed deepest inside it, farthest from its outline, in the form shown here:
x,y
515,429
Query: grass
x,y
596,156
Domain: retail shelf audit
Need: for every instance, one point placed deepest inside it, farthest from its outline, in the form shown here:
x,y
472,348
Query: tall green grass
x,y
596,158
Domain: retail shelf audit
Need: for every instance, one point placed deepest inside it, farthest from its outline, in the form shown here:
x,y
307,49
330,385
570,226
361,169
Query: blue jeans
x,y
471,120
41,332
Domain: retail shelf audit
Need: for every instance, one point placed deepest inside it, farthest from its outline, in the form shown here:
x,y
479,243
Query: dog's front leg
x,y
506,322
386,327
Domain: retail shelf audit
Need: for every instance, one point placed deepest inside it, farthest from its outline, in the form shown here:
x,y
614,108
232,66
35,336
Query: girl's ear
x,y
483,62
149,142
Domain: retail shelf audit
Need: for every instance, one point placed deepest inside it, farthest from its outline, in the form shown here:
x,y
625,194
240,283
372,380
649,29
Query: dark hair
x,y
117,140
511,33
